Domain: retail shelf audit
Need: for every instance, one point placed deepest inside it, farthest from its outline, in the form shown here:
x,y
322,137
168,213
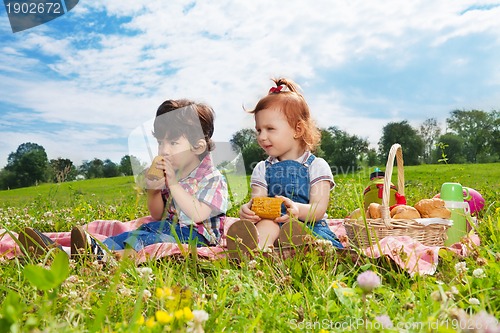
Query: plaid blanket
x,y
406,252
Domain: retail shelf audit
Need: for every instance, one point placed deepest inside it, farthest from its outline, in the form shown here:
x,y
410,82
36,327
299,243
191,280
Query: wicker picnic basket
x,y
364,234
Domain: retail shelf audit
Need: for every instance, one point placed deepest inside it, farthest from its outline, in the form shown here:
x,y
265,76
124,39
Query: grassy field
x,y
315,291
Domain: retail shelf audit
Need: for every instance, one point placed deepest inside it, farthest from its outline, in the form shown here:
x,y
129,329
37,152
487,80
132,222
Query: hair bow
x,y
275,89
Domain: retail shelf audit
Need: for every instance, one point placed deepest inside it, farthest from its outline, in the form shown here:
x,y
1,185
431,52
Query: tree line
x,y
471,136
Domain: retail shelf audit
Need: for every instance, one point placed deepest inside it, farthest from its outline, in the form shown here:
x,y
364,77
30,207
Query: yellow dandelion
x,y
335,285
163,317
140,320
179,314
150,322
163,292
188,314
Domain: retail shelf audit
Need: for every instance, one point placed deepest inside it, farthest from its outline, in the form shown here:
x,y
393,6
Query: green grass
x,y
315,291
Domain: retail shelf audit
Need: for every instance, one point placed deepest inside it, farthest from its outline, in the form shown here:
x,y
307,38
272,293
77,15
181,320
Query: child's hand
x,y
291,207
169,172
248,214
157,184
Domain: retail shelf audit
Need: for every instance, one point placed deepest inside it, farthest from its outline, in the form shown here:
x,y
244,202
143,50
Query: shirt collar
x,y
204,168
302,159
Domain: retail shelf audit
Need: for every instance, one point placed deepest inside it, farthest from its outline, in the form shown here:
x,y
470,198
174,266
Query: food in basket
x,y
433,208
153,172
355,214
374,211
267,207
405,212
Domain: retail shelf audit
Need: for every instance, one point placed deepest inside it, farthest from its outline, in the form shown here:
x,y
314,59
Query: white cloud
x,y
224,53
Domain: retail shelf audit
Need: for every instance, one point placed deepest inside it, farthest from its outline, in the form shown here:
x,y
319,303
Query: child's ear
x,y
200,148
299,130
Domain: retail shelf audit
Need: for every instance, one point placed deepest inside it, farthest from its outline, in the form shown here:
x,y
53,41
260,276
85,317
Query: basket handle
x,y
395,152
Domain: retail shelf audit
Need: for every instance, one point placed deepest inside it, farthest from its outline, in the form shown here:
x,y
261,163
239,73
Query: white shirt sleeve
x,y
258,177
320,171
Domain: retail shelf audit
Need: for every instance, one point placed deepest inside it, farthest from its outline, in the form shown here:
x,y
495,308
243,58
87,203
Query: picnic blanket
x,y
406,252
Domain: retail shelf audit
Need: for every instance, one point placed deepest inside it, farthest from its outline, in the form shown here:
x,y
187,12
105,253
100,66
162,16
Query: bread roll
x,y
153,172
404,212
433,208
267,207
374,211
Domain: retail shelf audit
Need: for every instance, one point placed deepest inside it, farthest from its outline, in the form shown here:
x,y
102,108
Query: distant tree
x,y
429,132
407,137
372,157
129,163
28,164
61,170
8,179
252,153
243,138
341,150
92,169
454,151
110,169
478,129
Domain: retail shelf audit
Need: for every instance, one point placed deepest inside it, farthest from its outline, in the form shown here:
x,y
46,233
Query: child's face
x,y
276,136
179,152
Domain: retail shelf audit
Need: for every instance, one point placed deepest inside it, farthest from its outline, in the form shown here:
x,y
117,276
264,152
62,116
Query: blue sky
x,y
81,83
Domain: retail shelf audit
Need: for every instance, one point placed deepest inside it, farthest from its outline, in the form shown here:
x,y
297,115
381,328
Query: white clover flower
x,y
385,321
200,316
124,291
454,290
474,301
478,273
461,267
146,294
252,264
368,281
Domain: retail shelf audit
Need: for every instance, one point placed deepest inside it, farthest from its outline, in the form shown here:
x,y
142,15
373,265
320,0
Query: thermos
x,y
454,195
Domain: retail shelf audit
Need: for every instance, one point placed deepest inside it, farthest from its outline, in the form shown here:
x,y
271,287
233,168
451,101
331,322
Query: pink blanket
x,y
404,251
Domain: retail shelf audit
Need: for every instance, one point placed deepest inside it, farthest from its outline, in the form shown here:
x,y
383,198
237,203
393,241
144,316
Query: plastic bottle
x,y
453,196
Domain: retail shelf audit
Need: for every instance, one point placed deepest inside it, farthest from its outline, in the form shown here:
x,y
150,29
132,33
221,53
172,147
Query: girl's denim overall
x,y
291,179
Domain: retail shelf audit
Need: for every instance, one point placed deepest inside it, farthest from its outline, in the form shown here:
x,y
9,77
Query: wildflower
x,y
144,272
252,264
474,301
146,294
150,322
200,316
481,261
188,314
72,279
140,320
124,291
478,273
484,322
368,281
163,317
385,321
454,290
461,267
259,274
163,292
179,314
